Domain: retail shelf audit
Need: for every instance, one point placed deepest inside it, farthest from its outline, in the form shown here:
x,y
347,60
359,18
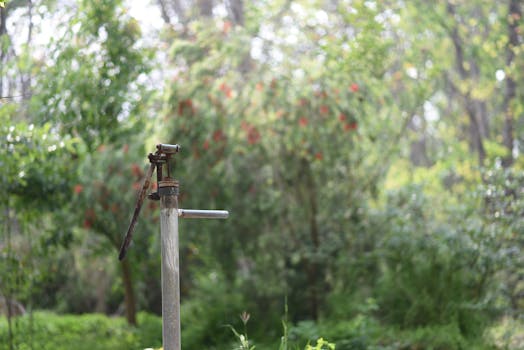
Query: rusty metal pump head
x,y
158,159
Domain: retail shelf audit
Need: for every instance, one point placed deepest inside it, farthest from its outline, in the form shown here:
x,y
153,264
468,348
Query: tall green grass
x,y
49,331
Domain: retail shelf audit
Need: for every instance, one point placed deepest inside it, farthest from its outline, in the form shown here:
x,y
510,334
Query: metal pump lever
x,y
138,206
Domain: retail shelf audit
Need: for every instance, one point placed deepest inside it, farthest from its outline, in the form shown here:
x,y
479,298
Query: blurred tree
x,y
91,89
481,78
34,183
509,106
310,120
103,202
286,142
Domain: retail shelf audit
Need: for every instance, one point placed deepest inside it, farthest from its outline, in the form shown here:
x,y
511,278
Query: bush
x,y
434,273
207,314
49,331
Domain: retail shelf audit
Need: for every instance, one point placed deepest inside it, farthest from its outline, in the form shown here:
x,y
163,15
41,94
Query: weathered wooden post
x,y
168,191
169,213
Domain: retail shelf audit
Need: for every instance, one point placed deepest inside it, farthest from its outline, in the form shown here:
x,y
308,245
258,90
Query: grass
x,y
49,331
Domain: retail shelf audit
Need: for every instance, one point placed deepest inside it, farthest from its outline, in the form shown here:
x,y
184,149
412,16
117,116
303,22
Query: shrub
x,y
49,331
433,273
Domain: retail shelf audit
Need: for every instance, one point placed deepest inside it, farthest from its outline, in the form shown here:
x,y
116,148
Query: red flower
x,y
350,126
342,117
78,189
245,125
185,105
226,27
324,109
303,121
226,90
219,135
206,145
135,169
253,136
321,94
252,133
89,216
354,87
319,156
87,223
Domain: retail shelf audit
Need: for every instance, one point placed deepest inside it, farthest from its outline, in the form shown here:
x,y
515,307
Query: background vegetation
x,y
370,154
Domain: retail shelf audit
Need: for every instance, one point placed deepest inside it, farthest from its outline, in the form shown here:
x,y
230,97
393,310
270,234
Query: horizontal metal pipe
x,y
203,214
167,148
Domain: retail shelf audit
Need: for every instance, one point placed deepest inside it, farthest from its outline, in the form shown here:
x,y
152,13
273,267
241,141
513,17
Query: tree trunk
x,y
236,11
163,11
514,16
26,77
475,132
473,106
129,294
179,10
313,265
205,8
3,31
9,288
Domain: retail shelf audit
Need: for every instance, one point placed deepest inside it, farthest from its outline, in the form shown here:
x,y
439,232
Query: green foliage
x,y
445,337
48,331
294,140
37,161
506,334
211,308
91,89
503,196
105,194
37,166
81,100
321,345
433,273
341,136
244,343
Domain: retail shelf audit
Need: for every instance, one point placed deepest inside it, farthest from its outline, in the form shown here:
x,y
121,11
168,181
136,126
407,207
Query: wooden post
x,y
168,191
